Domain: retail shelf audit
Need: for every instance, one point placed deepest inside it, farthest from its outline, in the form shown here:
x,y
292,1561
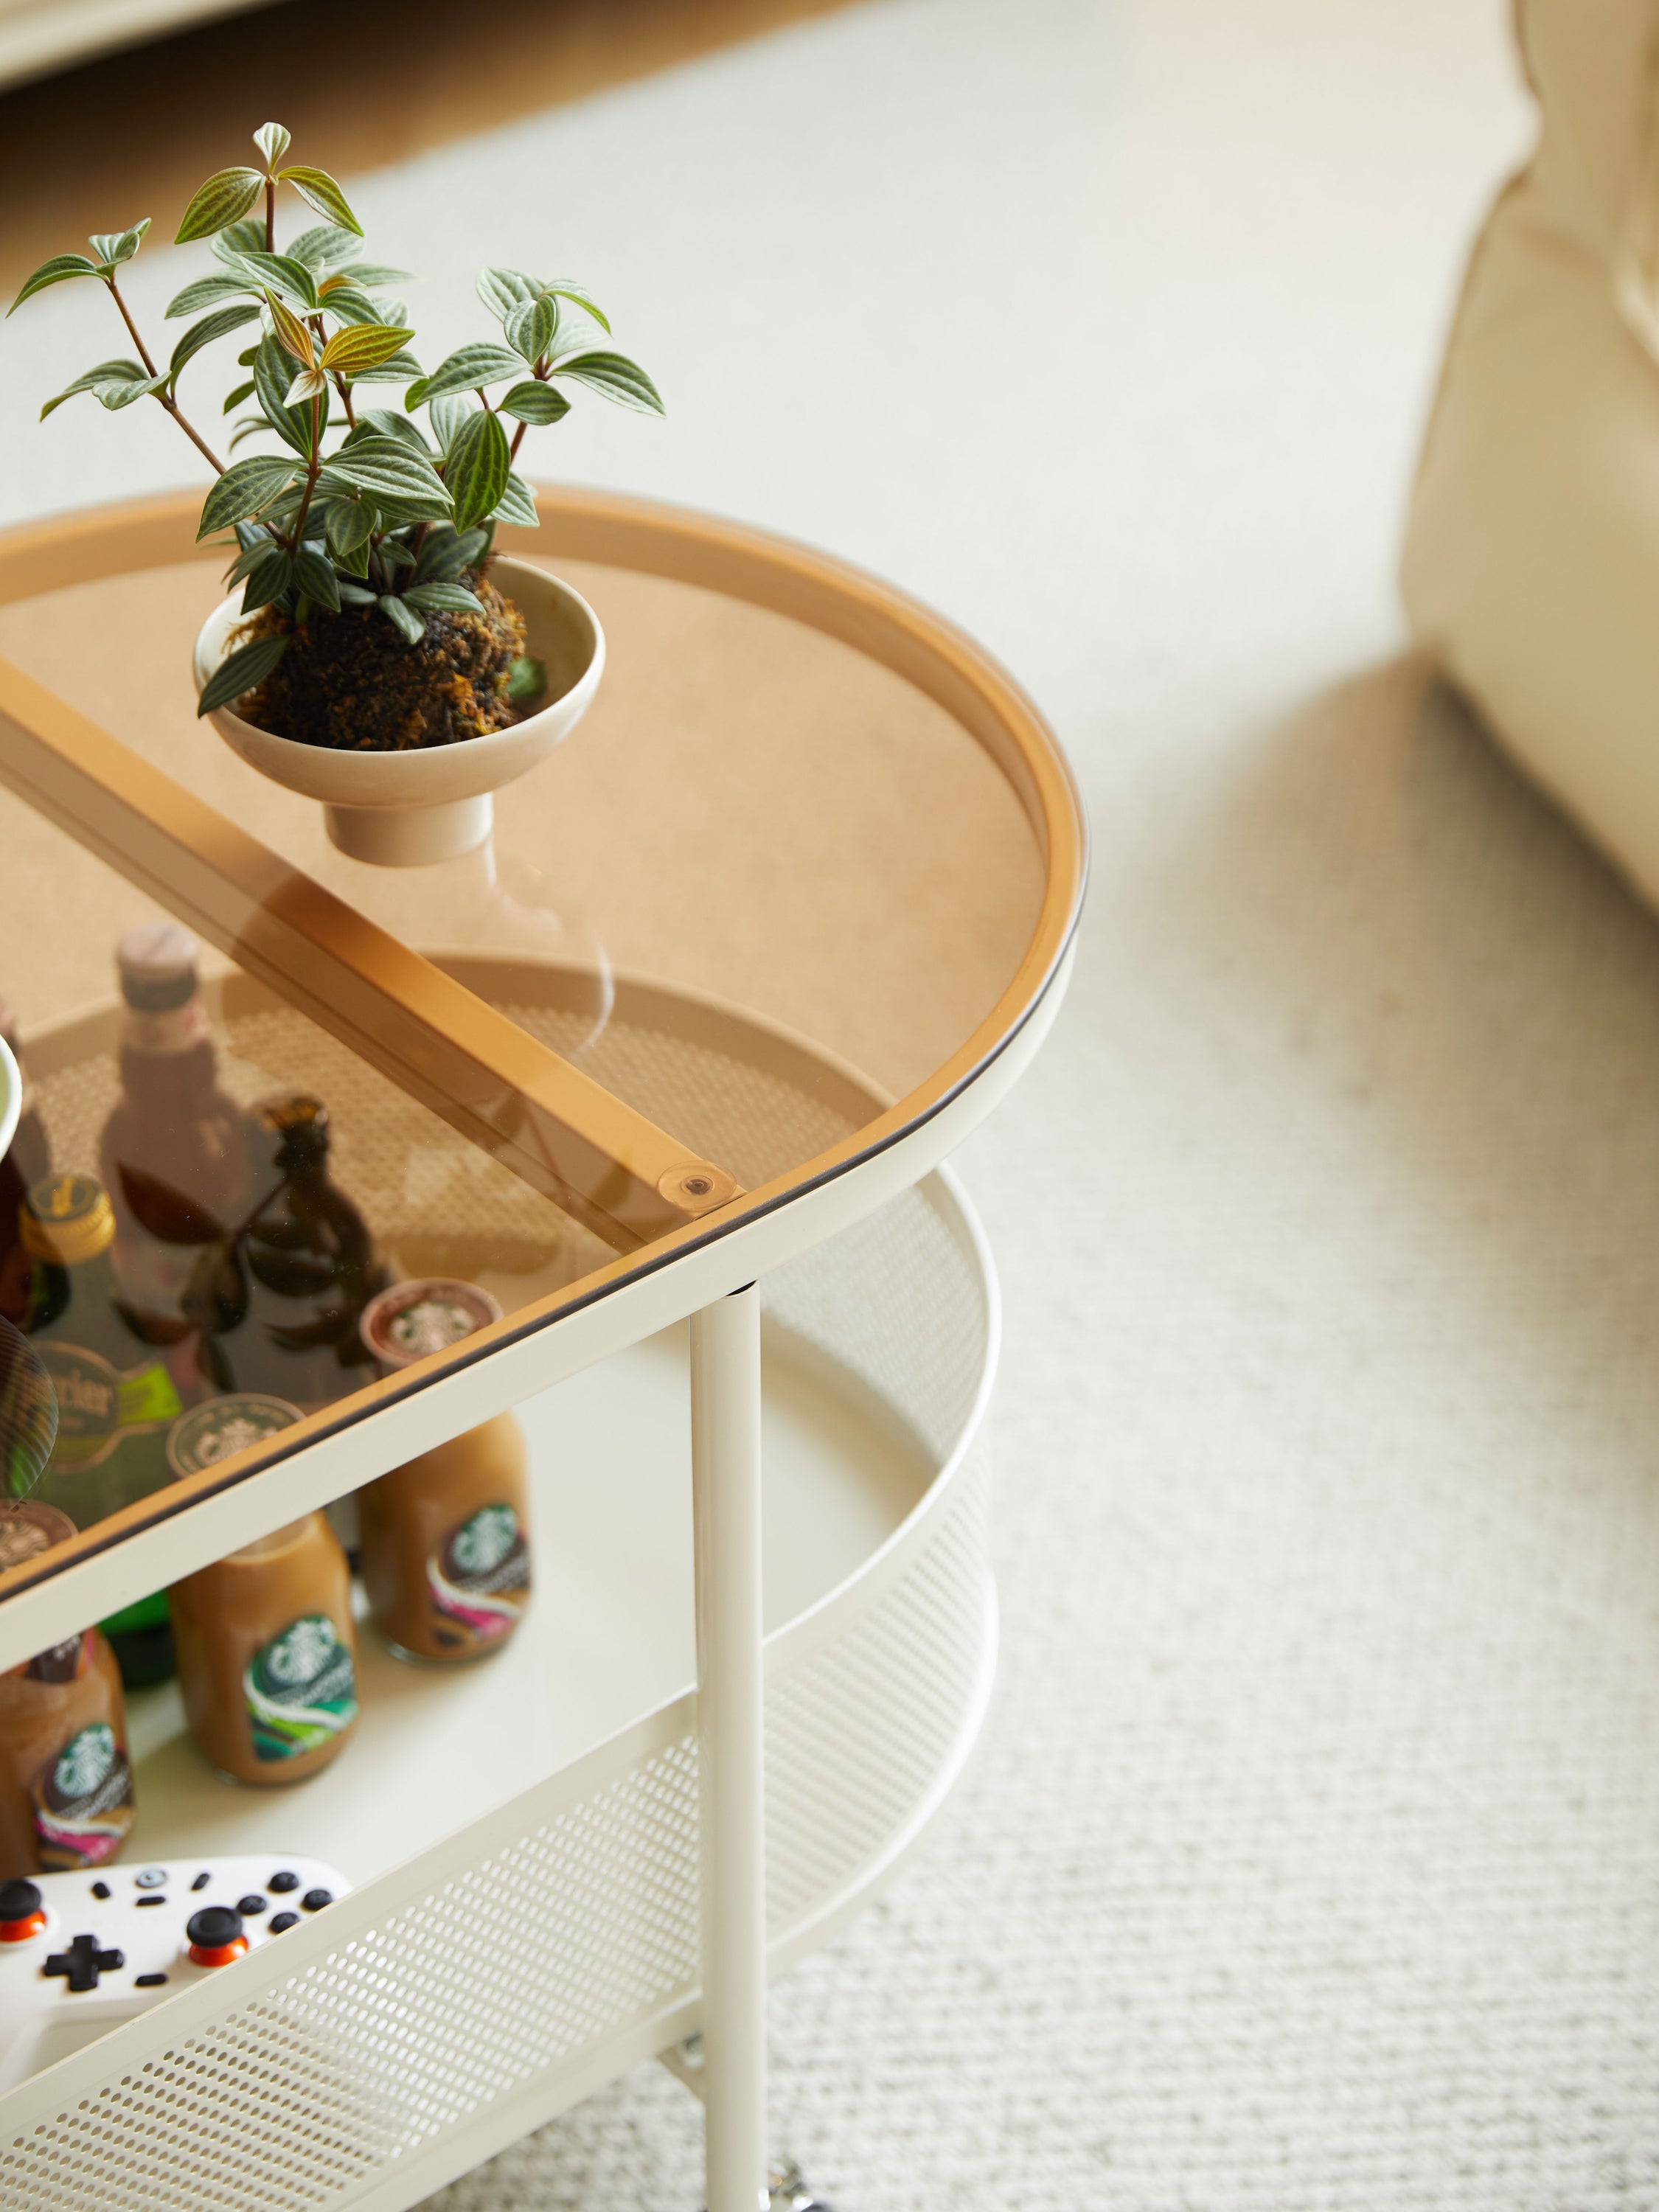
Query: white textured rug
x,y
1310,1859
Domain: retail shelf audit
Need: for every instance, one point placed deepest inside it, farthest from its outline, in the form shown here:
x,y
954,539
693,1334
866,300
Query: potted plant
x,y
378,655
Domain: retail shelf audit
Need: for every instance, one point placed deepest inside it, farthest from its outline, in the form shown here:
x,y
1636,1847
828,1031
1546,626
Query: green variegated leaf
x,y
253,542
237,239
251,425
447,415
292,335
387,423
516,504
245,487
309,384
446,551
325,245
399,370
221,200
218,324
530,326
502,290
210,292
55,272
468,367
273,142
348,305
234,399
443,598
476,467
564,289
107,375
239,672
348,524
350,352
531,402
318,190
402,618
281,272
273,372
614,376
113,247
114,396
269,574
353,595
387,472
315,577
374,277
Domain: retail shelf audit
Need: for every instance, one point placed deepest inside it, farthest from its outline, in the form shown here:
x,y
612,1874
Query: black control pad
x,y
315,1899
214,1927
281,1920
280,1884
83,1963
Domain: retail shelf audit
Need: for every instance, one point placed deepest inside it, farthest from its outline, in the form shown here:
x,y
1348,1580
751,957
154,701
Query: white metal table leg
x,y
725,1483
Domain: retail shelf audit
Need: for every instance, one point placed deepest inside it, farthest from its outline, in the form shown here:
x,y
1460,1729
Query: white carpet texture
x,y
1310,1859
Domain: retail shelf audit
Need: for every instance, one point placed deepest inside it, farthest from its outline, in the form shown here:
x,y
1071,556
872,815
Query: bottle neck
x,y
168,1035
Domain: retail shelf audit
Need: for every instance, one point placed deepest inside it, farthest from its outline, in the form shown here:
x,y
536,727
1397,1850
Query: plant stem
x,y
518,439
270,215
344,390
313,464
166,397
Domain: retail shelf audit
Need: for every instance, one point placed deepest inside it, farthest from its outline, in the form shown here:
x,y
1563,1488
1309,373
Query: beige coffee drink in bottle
x,y
65,1778
267,1654
445,1545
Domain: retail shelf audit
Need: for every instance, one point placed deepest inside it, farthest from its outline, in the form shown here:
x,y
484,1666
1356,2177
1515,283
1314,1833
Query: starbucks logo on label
x,y
301,1689
81,1802
480,1581
83,1762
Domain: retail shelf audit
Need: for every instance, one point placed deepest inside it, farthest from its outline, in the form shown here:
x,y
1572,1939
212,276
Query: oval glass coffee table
x,y
669,1066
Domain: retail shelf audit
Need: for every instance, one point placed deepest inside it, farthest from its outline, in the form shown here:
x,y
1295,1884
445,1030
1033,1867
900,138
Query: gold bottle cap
x,y
67,1219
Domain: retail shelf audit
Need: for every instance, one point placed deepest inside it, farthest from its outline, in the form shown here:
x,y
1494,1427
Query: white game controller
x,y
80,1953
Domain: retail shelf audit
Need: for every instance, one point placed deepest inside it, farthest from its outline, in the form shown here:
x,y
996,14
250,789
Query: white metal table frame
x,y
689,1243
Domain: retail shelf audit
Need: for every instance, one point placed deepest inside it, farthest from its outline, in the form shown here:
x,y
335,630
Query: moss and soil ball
x,y
352,682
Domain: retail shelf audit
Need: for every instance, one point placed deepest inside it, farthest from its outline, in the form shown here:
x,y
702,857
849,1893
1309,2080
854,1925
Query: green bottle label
x,y
301,1689
98,1406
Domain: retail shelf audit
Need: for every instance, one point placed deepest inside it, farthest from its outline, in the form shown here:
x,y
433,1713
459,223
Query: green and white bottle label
x,y
301,1689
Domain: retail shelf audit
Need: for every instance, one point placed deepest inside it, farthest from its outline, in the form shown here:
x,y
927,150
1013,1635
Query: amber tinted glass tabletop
x,y
808,863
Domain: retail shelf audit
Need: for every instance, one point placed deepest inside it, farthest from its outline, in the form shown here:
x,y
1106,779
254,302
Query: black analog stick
x,y
18,1900
213,1927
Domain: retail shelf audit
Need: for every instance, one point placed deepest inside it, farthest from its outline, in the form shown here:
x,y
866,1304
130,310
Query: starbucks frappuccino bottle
x,y
446,1546
65,1778
267,1654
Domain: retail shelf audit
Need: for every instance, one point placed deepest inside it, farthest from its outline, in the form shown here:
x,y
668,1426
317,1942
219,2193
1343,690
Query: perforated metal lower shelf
x,y
525,1953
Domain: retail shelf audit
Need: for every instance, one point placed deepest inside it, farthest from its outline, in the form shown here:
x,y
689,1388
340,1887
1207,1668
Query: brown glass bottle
x,y
175,1155
65,1776
115,1398
309,1269
28,1158
267,1654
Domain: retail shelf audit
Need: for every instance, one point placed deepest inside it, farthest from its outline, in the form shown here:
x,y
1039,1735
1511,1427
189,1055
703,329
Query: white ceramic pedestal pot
x,y
11,1096
405,810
